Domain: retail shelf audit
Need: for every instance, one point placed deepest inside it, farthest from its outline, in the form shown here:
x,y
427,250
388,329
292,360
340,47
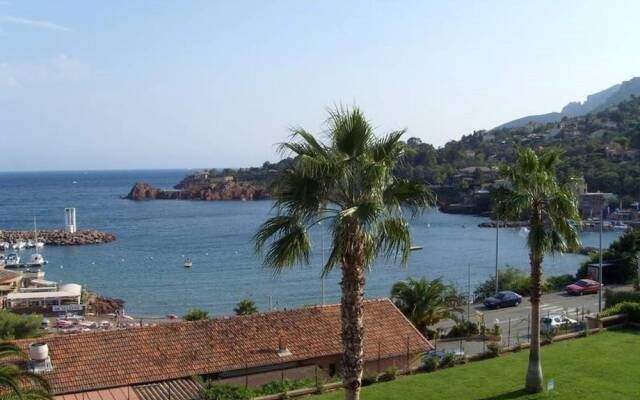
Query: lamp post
x,y
497,230
322,247
600,262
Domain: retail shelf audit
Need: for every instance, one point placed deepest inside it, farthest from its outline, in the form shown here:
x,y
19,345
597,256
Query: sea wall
x,y
58,237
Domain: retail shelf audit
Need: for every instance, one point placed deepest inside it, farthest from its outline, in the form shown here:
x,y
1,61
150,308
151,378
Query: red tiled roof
x,y
101,360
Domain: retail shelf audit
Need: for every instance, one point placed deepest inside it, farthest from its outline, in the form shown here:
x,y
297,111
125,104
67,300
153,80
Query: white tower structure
x,y
70,220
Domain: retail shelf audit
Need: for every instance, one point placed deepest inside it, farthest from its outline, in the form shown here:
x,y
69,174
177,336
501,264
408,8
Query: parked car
x,y
583,286
553,323
503,299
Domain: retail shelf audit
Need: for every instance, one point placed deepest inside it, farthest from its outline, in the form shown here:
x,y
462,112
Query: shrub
x,y
494,349
389,374
369,379
225,392
632,309
245,307
612,298
196,314
283,386
510,278
496,330
15,326
430,364
555,283
448,361
463,329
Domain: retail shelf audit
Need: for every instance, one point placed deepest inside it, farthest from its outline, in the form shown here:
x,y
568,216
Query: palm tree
x,y
245,307
553,216
348,183
15,382
424,302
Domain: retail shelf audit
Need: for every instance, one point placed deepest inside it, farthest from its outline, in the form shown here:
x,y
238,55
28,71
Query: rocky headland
x,y
199,190
58,237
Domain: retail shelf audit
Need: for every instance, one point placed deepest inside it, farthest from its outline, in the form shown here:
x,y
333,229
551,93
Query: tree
x,y
553,218
196,314
16,326
424,302
245,307
15,382
348,183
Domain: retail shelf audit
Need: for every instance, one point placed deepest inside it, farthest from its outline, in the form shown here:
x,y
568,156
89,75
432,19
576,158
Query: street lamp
x,y
497,230
600,261
322,247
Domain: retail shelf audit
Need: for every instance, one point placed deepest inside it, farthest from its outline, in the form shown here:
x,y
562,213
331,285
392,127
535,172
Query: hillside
x,y
603,147
594,103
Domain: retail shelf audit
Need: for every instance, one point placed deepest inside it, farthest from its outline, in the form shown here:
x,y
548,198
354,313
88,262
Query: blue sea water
x,y
144,265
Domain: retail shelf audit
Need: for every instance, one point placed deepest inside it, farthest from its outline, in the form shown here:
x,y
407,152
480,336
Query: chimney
x,y
283,351
39,360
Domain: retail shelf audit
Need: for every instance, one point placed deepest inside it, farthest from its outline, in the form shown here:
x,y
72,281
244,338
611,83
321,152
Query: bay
x,y
144,265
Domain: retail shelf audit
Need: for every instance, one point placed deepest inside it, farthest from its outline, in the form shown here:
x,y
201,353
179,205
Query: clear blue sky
x,y
164,84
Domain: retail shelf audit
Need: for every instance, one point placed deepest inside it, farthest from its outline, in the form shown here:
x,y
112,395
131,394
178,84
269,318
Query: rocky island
x,y
211,185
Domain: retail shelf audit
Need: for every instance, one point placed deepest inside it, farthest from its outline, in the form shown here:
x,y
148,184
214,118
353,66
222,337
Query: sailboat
x,y
36,259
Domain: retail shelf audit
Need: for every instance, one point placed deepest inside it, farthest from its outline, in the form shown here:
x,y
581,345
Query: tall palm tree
x,y
15,382
553,217
347,182
424,302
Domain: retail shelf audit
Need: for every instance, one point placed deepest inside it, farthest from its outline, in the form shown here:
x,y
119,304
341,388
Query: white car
x,y
553,323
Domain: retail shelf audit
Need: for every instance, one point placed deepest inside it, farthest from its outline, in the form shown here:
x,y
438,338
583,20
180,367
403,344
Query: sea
x,y
144,266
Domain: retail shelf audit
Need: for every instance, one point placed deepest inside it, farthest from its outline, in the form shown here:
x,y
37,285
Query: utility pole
x,y
469,292
322,246
497,230
600,263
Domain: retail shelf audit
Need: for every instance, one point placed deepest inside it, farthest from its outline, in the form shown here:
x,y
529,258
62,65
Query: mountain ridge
x,y
594,102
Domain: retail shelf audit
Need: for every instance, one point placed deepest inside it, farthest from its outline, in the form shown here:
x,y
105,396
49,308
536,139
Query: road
x,y
514,321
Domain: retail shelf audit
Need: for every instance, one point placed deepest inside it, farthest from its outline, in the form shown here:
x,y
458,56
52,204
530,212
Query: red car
x,y
583,286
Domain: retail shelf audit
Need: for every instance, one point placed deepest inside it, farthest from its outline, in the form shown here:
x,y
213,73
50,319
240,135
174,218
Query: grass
x,y
601,366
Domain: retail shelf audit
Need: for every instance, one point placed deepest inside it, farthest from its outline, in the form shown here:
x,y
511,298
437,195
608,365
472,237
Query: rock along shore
x,y
58,237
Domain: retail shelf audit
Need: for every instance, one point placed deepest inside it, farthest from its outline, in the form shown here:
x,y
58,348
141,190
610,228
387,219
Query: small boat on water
x,y
19,245
12,260
188,263
415,248
36,260
5,246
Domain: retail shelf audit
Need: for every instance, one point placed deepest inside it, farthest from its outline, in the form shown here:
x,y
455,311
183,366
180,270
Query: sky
x,y
192,84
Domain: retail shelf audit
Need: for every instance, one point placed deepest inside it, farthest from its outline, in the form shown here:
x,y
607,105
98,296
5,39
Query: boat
x,y
12,260
36,260
188,263
19,245
620,226
415,248
5,246
39,245
30,244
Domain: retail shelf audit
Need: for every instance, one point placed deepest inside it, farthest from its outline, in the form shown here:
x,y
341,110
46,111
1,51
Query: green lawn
x,y
601,366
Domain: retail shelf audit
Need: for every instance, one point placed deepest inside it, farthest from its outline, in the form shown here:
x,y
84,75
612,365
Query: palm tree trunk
x,y
534,371
352,285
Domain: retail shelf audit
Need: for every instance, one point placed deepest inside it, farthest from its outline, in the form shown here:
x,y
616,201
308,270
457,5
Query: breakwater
x,y
58,237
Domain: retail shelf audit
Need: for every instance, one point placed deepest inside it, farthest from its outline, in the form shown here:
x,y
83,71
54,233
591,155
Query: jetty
x,y
59,237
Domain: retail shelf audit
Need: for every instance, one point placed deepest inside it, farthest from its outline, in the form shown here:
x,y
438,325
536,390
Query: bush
x,y
15,326
463,329
555,283
389,374
196,314
225,392
496,330
612,298
632,309
369,379
494,349
283,386
430,364
448,361
510,278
